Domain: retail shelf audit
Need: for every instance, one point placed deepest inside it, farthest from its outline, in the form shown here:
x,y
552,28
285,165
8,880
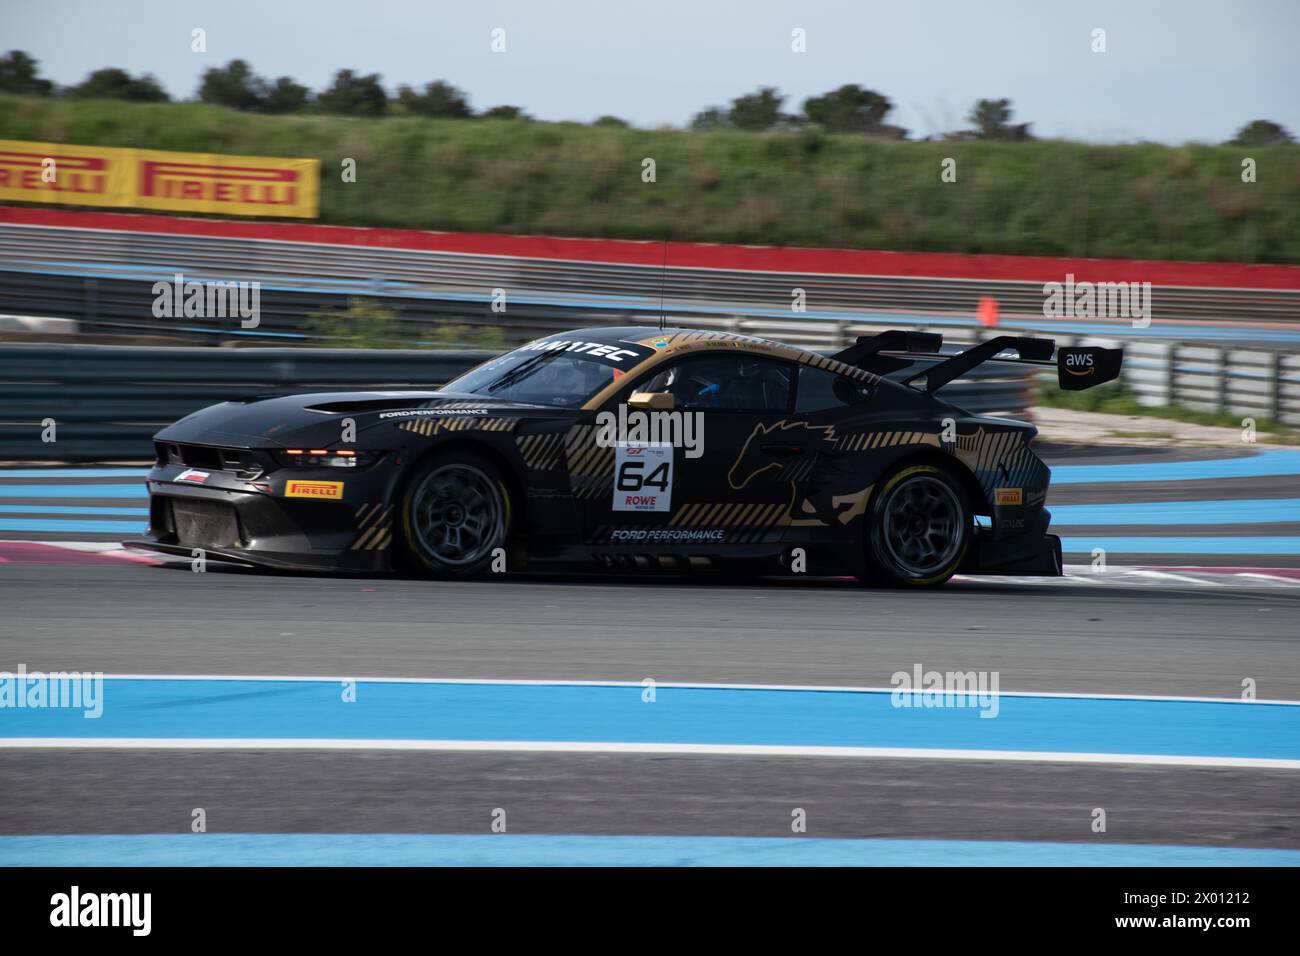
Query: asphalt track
x,y
124,617
1153,637
1146,628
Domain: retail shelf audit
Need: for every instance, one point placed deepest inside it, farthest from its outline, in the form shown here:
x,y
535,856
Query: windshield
x,y
563,378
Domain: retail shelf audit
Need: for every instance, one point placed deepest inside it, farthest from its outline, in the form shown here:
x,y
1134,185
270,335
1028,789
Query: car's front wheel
x,y
455,515
919,527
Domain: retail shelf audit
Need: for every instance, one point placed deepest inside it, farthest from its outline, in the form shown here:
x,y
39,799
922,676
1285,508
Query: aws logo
x,y
1084,367
1080,363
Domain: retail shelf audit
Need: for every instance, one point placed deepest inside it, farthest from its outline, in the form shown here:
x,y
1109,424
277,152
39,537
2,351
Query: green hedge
x,y
801,188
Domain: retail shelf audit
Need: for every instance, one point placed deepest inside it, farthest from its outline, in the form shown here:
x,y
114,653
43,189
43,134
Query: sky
x,y
1173,71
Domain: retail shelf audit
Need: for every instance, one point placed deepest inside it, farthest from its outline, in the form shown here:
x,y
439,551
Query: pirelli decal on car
x,y
432,426
374,527
329,490
1008,496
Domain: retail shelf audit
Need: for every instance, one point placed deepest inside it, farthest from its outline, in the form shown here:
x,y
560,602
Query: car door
x,y
725,468
843,411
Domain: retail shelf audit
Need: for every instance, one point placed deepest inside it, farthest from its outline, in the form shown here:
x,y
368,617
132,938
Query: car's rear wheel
x,y
455,515
919,527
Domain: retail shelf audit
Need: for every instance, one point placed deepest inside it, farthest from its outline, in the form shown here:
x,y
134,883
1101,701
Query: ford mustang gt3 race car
x,y
634,449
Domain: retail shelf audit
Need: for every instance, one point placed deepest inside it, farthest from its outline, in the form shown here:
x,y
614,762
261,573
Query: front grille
x,y
205,524
243,463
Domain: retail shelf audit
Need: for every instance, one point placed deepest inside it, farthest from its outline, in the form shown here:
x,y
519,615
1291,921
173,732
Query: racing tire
x,y
918,528
455,514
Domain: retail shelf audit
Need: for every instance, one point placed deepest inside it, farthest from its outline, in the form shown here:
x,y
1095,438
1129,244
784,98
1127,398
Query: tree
x,y
1262,133
992,121
610,121
852,109
353,95
234,85
439,99
507,112
715,117
111,83
18,75
756,111
286,96
364,324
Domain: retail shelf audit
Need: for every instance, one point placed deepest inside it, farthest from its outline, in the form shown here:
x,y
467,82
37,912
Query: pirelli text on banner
x,y
153,179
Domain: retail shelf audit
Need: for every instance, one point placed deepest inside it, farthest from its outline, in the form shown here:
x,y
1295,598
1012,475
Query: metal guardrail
x,y
106,402
81,267
116,307
1253,383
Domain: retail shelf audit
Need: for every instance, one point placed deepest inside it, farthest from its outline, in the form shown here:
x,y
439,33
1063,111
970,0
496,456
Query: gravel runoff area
x,y
1070,427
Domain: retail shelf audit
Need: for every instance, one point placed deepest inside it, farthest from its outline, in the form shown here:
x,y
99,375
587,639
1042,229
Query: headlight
x,y
326,458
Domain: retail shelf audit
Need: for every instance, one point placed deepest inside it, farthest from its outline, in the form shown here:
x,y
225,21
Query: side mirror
x,y
653,401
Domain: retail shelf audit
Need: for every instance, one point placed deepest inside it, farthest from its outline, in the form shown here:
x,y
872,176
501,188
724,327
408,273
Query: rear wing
x,y
1077,368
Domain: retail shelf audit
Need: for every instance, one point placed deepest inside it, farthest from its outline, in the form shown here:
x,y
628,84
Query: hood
x,y
283,420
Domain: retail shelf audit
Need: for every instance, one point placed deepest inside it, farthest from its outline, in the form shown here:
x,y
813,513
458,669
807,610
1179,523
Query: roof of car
x,y
675,342
675,338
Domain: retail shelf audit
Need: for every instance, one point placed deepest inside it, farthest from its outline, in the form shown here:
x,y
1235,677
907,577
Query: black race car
x,y
632,449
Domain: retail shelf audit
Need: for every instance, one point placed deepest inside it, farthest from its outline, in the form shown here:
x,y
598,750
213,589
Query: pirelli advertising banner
x,y
152,179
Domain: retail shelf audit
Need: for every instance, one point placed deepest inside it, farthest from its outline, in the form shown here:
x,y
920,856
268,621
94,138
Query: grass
x,y
365,324
802,188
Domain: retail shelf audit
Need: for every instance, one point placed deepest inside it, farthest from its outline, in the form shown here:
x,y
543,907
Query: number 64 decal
x,y
632,476
643,478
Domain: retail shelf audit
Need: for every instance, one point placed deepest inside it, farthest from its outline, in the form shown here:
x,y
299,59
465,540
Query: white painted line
x,y
1178,577
564,746
93,547
566,682
1276,578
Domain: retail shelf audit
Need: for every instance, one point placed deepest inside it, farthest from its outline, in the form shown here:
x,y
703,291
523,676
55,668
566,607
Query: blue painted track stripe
x,y
418,849
1259,544
600,713
73,474
108,511
1264,464
134,490
1229,511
